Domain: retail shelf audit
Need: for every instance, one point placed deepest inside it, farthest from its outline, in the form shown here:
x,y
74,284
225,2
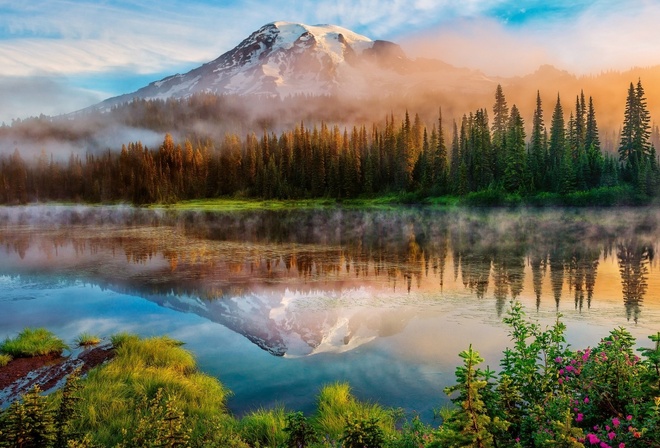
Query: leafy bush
x,y
33,342
300,433
363,433
548,395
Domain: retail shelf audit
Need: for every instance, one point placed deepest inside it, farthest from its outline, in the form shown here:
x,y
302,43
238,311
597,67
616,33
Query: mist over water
x,y
278,303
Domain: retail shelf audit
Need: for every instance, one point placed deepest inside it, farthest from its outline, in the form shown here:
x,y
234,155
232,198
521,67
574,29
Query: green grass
x,y
87,340
33,342
264,427
237,205
5,359
140,368
336,403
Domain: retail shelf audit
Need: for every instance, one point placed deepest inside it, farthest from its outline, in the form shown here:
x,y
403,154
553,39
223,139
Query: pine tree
x,y
29,424
440,159
500,122
557,145
592,144
635,136
515,174
538,147
455,161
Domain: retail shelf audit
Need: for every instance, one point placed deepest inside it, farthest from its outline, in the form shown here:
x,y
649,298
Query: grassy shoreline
x,y
546,394
601,197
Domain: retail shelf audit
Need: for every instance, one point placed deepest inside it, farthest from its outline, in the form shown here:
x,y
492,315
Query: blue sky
x,y
57,55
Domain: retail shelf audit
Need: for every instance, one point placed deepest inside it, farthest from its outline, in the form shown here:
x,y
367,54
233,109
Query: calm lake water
x,y
276,304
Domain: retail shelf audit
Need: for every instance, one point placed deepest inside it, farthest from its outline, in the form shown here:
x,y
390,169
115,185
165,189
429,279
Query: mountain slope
x,y
283,58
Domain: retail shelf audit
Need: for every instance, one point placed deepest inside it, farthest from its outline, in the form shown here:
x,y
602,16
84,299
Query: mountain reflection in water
x,y
306,281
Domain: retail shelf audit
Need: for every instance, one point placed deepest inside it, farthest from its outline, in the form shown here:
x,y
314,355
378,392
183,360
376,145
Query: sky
x,y
58,56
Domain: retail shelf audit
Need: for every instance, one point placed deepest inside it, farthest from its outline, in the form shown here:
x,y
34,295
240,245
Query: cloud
x,y
598,37
31,96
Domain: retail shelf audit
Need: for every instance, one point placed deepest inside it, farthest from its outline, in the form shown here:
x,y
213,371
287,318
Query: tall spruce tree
x,y
499,128
538,147
592,145
515,173
557,145
635,142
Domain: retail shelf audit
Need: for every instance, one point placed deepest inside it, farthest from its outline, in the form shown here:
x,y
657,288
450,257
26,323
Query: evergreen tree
x,y
538,147
440,160
557,145
592,144
455,161
635,143
515,174
500,123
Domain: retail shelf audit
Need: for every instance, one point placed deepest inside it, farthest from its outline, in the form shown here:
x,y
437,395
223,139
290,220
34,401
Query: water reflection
x,y
634,258
292,282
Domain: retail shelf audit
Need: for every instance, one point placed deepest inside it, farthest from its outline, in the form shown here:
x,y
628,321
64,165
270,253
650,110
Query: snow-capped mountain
x,y
284,58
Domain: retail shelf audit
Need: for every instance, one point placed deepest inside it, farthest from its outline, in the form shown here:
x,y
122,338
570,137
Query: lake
x,y
278,303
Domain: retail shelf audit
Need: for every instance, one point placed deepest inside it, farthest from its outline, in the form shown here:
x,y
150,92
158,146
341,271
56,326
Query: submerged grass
x,y
33,342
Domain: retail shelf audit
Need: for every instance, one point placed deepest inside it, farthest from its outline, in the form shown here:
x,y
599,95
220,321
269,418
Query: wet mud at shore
x,y
48,371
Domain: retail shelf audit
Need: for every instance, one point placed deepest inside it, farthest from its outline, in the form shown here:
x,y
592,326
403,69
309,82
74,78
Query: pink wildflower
x,y
586,399
616,422
579,417
611,435
593,439
629,417
622,445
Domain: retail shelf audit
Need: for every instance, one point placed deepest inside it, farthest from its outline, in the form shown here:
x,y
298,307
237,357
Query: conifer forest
x,y
487,154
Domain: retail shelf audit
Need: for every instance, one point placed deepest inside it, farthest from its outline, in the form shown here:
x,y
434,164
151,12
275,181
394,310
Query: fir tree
x,y
515,171
500,122
538,146
557,145
635,144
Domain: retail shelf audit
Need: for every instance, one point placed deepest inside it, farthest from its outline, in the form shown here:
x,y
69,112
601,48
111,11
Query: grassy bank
x,y
545,394
600,197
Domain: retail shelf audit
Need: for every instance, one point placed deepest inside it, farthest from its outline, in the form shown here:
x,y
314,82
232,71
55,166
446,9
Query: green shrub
x,y
300,433
33,342
363,433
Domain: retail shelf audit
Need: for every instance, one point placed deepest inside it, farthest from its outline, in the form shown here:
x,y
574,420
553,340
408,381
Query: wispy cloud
x,y
83,39
579,37
35,95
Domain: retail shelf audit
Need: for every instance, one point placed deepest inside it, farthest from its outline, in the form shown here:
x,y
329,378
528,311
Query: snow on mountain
x,y
296,323
283,58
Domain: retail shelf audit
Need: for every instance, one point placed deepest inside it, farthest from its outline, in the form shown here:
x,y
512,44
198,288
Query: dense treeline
x,y
325,161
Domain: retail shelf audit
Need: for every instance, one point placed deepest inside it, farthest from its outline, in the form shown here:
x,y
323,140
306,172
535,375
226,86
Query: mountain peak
x,y
280,59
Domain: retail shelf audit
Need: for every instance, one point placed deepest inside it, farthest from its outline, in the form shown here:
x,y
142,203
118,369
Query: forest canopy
x,y
486,152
